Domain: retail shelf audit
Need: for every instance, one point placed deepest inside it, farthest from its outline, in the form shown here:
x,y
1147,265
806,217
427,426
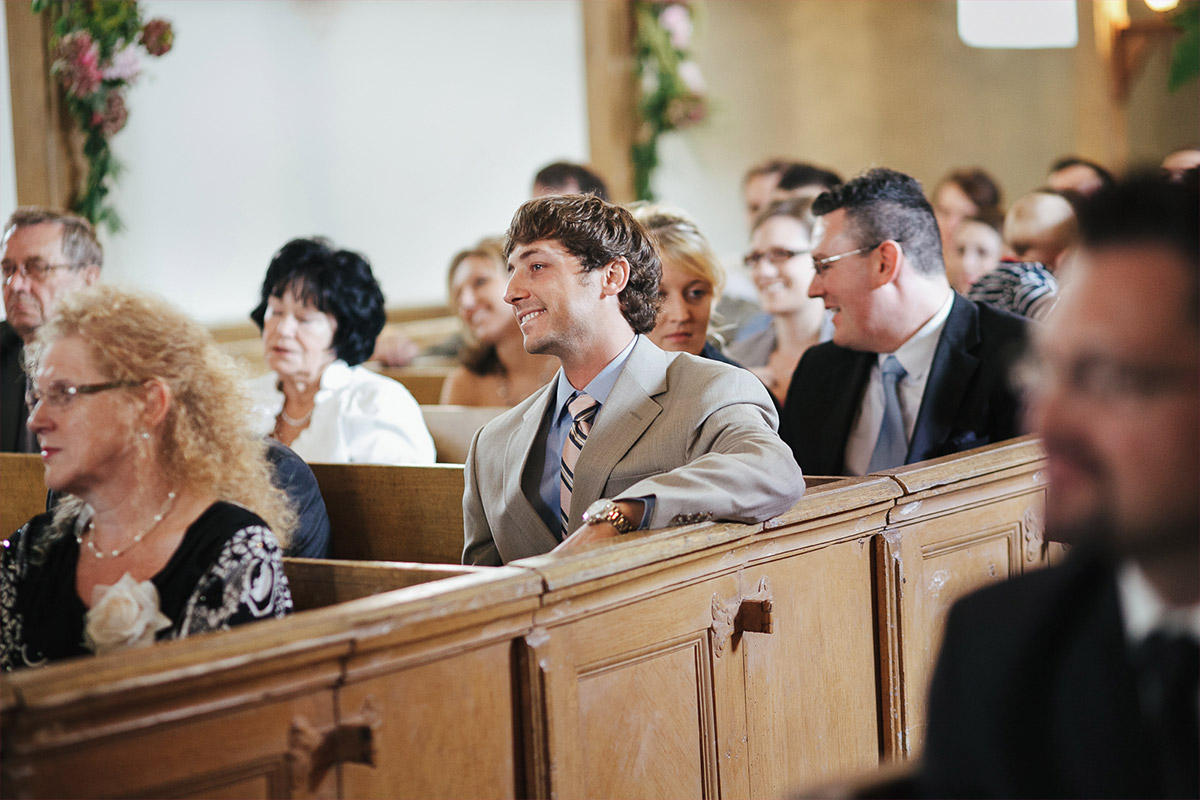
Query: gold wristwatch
x,y
603,511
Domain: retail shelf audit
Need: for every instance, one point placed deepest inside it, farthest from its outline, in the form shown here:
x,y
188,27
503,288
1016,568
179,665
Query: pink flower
x,y
115,114
158,36
78,64
677,21
125,66
689,73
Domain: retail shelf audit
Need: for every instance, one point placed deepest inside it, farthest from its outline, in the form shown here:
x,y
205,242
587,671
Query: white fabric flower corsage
x,y
123,615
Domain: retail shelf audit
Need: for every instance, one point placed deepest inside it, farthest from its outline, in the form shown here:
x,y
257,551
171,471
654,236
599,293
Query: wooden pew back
x,y
453,428
389,513
423,383
23,489
322,582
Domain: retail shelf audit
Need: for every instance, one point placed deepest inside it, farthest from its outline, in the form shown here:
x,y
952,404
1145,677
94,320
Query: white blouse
x,y
359,417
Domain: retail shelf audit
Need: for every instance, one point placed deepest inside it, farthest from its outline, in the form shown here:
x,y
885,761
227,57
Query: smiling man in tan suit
x,y
626,436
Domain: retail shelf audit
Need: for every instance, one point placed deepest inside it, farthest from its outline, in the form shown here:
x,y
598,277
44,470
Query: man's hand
x,y
585,534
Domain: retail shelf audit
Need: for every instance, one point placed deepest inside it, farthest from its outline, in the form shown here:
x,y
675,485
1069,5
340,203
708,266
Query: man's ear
x,y
890,257
615,276
91,274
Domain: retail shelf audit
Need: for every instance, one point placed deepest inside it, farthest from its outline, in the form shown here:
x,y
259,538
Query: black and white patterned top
x,y
227,570
1022,287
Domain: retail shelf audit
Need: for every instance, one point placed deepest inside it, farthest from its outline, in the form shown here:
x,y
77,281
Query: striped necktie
x,y
583,410
891,448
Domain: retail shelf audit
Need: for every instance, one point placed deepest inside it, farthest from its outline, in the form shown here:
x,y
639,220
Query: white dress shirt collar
x,y
1144,611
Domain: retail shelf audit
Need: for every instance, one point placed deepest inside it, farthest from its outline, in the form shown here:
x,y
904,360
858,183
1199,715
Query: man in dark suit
x,y
1081,679
914,370
46,255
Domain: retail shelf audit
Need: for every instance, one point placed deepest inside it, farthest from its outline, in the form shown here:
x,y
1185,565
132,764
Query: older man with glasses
x,y
914,370
46,256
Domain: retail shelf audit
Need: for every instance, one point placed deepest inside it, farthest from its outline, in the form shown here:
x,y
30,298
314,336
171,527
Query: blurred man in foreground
x,y
1081,679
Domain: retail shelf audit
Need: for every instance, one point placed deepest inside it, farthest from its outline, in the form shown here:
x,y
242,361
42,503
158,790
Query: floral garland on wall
x,y
672,92
97,47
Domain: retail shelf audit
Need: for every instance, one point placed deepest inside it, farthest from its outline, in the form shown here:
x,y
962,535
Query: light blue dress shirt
x,y
560,425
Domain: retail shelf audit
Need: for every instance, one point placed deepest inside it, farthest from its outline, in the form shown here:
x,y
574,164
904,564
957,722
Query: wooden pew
x,y
716,661
323,582
390,513
964,521
453,428
713,660
405,694
423,382
22,488
376,512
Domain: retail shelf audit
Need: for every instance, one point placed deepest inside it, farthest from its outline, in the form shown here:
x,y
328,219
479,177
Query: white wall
x,y
403,130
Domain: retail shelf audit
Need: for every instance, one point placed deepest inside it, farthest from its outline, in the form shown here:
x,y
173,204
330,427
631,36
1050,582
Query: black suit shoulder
x,y
1033,694
12,388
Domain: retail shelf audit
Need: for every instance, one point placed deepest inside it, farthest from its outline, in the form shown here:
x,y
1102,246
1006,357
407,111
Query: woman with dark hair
x,y
320,312
781,266
963,193
495,370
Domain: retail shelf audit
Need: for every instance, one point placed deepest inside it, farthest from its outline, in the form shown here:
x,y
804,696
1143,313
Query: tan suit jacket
x,y
698,435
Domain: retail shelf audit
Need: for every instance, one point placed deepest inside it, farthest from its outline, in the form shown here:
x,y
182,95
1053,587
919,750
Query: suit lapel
x,y
625,416
949,376
832,417
520,513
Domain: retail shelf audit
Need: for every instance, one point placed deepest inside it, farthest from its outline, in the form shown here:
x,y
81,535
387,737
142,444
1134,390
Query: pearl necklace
x,y
170,502
297,423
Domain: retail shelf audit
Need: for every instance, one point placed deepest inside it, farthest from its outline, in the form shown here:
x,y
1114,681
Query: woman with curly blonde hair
x,y
169,525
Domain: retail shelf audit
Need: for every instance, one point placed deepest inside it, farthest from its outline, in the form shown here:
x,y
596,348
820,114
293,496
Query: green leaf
x,y
1185,58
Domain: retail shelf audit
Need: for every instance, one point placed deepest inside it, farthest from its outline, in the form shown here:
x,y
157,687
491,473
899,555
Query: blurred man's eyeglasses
x,y
35,269
1101,379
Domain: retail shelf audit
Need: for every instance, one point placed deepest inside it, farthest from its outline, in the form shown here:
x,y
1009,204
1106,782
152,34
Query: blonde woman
x,y
169,525
692,279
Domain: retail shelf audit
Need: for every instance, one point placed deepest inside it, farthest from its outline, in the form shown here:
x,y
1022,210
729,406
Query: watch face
x,y
601,511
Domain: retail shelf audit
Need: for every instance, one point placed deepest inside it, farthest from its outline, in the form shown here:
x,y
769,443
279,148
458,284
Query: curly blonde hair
x,y
207,443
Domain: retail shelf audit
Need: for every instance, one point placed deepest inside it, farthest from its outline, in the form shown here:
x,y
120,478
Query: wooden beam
x,y
611,97
46,171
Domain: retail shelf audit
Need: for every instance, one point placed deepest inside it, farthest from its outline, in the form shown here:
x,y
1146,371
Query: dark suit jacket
x,y
1034,694
12,389
967,401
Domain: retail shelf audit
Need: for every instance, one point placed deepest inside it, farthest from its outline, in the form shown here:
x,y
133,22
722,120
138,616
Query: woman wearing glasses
x,y
169,524
780,263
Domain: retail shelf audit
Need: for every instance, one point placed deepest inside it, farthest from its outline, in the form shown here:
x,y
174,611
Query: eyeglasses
x,y
822,265
60,394
1102,379
35,269
776,255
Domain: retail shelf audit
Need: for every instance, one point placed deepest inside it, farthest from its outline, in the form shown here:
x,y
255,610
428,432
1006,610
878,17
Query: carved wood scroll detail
x,y
1032,525
312,753
745,613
